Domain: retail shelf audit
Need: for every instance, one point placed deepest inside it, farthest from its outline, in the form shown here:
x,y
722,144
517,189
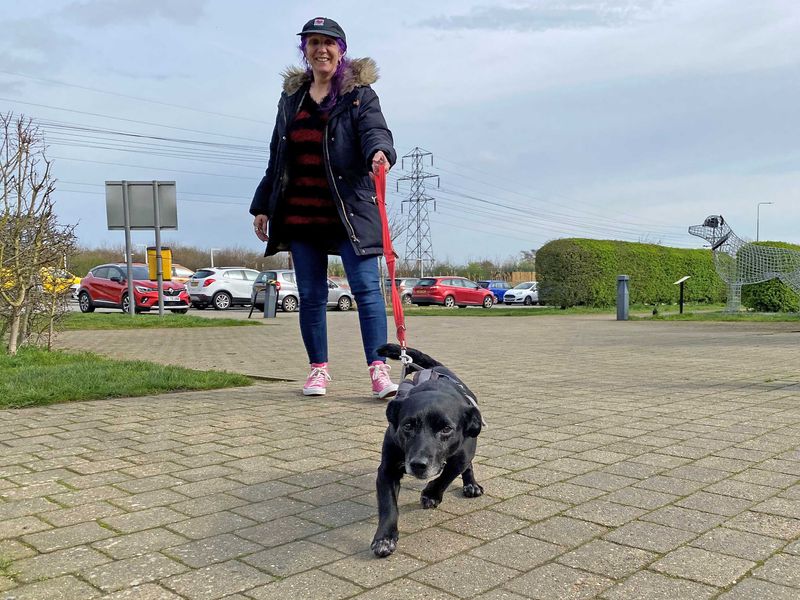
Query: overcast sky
x,y
614,119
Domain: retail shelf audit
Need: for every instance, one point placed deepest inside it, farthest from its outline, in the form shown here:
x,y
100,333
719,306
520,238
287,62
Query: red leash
x,y
390,256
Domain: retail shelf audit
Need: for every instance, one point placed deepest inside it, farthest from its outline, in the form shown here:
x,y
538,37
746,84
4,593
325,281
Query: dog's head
x,y
430,425
712,230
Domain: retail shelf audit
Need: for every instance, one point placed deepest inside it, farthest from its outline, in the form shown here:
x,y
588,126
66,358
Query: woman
x,y
317,197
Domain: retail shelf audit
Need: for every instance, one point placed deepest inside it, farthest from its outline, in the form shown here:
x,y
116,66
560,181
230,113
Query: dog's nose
x,y
419,466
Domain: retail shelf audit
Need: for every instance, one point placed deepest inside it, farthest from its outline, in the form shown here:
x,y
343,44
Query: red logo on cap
x,y
319,22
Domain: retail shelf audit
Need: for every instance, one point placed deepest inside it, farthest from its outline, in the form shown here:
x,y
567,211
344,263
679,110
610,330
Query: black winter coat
x,y
356,130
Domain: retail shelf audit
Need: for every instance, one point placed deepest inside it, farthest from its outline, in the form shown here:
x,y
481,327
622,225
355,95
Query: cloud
x,y
97,13
545,15
32,45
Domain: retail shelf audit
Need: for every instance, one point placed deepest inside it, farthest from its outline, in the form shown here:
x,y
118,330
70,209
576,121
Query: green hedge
x,y
774,295
576,271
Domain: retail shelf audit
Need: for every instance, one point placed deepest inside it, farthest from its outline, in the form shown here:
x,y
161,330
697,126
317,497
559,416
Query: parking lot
x,y
622,460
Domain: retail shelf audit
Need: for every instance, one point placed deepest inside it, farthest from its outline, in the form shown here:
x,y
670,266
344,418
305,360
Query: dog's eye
x,y
408,427
446,430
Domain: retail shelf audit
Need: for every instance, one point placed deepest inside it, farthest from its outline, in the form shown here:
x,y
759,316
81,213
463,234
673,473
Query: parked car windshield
x,y
526,285
202,274
140,272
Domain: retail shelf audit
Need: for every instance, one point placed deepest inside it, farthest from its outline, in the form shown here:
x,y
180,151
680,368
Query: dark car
x,y
498,287
339,294
451,291
106,286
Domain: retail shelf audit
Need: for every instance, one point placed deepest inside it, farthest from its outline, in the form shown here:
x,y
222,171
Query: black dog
x,y
433,427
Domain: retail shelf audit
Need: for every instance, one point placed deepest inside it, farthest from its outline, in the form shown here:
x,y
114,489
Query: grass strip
x,y
36,377
82,321
743,317
531,311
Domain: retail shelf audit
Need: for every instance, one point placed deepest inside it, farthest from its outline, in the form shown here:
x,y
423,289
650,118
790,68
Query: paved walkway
x,y
622,461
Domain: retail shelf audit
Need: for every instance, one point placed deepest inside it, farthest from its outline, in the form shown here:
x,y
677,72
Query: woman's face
x,y
322,53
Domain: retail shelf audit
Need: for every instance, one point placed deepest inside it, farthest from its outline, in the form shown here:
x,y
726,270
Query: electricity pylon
x,y
419,247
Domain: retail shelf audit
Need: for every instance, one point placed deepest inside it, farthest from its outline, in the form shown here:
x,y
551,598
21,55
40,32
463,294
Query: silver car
x,y
526,293
339,294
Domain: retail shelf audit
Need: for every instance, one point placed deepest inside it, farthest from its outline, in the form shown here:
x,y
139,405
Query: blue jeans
x,y
363,275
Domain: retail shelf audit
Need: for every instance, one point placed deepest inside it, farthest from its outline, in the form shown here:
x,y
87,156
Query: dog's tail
x,y
420,359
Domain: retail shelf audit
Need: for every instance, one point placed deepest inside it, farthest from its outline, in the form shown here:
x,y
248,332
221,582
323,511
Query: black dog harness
x,y
420,376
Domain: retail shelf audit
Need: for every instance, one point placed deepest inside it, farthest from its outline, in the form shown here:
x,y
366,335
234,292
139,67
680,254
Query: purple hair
x,y
336,80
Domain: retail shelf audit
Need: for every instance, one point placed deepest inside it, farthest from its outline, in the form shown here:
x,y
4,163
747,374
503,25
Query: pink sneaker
x,y
317,380
382,386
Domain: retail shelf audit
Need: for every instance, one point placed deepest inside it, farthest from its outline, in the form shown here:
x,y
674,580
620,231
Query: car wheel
x,y
407,299
85,302
496,299
125,304
289,304
221,301
488,302
181,311
449,302
528,301
344,303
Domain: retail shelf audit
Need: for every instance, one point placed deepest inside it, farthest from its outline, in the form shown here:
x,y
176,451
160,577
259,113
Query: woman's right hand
x,y
260,227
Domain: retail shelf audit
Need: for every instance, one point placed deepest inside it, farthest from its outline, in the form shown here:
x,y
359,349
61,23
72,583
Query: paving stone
x,y
557,582
448,575
148,591
738,543
608,559
740,489
15,550
351,539
311,585
54,564
684,518
206,551
568,492
340,513
530,508
516,552
766,524
216,581
21,526
365,570
755,589
670,485
210,525
143,519
58,588
605,513
654,586
485,525
782,569
134,571
141,542
564,531
292,558
715,503
64,537
432,544
406,589
603,481
703,566
784,507
281,531
641,498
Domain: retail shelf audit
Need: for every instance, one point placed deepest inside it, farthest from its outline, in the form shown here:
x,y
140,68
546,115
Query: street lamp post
x,y
212,255
758,216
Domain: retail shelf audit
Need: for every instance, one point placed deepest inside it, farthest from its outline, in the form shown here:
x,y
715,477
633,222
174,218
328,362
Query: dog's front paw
x,y
473,490
429,501
383,547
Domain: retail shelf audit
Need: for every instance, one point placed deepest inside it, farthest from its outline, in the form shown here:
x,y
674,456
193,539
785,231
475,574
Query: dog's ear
x,y
472,422
393,411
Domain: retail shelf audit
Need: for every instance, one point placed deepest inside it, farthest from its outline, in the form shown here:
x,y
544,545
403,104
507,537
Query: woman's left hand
x,y
378,159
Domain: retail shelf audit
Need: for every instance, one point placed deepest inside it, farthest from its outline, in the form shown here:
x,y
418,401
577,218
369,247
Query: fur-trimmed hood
x,y
358,72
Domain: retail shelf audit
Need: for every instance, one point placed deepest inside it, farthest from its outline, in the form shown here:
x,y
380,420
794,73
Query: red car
x,y
451,291
106,286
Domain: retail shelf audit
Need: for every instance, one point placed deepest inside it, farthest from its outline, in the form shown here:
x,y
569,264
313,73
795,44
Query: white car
x,y
526,293
221,287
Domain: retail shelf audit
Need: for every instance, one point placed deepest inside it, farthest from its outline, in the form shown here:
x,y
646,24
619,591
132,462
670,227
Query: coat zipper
x,y
336,189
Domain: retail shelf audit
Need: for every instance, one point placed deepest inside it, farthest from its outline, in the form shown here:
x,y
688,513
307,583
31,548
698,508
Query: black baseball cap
x,y
325,26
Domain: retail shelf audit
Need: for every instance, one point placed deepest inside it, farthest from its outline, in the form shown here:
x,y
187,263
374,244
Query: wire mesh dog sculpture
x,y
741,263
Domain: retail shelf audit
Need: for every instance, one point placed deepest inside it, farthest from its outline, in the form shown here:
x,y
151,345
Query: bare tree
x,y
31,240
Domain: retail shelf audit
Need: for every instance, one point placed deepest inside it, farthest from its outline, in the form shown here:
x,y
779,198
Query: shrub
x,y
774,295
575,271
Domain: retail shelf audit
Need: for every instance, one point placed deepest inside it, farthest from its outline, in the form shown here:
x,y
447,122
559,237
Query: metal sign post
x,y
680,282
126,209
142,205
